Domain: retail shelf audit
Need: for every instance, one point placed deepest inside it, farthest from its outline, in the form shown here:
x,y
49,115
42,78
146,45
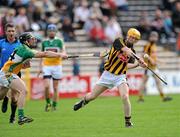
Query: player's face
x,y
132,39
11,32
153,38
51,33
32,41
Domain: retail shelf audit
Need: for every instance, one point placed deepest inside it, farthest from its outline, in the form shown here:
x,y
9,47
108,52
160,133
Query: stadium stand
x,y
136,7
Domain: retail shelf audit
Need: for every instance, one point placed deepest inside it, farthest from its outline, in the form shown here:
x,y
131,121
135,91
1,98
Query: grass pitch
x,y
100,118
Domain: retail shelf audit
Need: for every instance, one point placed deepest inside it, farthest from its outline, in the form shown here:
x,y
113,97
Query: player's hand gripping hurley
x,y
162,80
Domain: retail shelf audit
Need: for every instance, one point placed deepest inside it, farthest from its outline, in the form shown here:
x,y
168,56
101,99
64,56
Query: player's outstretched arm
x,y
131,66
50,54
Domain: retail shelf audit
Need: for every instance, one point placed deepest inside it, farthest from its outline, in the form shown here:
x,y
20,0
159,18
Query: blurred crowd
x,y
97,18
166,22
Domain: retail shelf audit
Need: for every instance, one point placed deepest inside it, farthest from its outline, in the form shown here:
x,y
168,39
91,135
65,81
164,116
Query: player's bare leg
x,y
55,95
98,89
159,87
17,85
142,88
47,94
3,92
124,92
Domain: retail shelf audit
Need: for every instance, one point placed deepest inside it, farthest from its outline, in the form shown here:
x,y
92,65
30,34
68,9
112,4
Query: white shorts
x,y
110,80
4,81
54,72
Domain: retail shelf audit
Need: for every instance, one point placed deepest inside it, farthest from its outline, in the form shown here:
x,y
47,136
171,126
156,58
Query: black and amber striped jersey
x,y
151,49
117,60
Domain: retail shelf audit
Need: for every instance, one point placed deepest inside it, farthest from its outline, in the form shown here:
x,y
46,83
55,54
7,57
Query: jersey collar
x,y
12,42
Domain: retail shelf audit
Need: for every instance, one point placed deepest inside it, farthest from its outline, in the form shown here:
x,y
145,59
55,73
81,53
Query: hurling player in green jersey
x,y
8,74
52,67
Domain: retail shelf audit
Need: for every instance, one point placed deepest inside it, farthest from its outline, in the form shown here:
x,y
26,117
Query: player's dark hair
x,y
9,25
25,36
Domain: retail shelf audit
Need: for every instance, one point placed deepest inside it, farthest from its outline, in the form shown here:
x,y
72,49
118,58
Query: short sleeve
x,y
117,44
61,41
30,53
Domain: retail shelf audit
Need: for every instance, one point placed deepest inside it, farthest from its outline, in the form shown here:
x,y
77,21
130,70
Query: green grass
x,y
101,118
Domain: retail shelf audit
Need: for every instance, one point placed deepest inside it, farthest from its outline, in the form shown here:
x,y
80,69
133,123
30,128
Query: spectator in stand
x,y
121,5
48,6
113,30
9,17
89,24
176,23
168,4
70,7
4,3
68,30
2,15
37,14
17,4
1,29
22,21
61,11
112,6
168,25
30,10
105,8
81,13
96,11
158,25
176,17
144,25
97,33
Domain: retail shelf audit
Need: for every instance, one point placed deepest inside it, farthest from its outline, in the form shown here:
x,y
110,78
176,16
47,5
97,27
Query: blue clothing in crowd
x,y
6,48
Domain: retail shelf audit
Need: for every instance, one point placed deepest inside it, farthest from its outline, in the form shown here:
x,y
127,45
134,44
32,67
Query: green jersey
x,y
55,45
20,55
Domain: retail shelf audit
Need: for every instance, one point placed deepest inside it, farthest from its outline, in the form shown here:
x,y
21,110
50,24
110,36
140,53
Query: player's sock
x,y
128,122
23,119
13,110
5,104
127,119
162,95
20,113
54,104
48,101
48,104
